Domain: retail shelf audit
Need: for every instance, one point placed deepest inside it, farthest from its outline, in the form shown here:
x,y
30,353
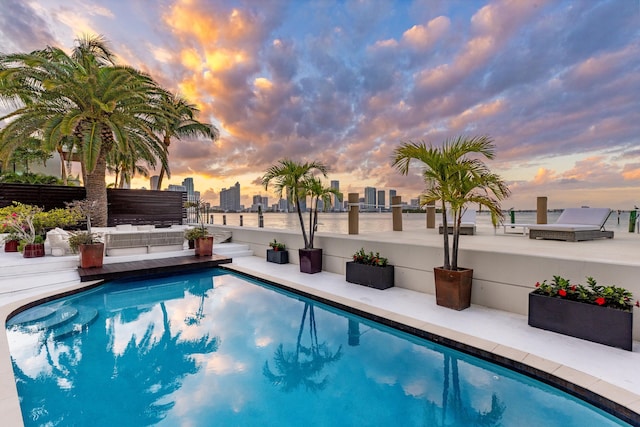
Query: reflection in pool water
x,y
213,348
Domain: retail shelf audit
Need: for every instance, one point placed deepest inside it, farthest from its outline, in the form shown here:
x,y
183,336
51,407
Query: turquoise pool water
x,y
216,349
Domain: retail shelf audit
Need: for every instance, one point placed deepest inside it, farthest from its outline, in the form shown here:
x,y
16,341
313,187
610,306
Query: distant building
x,y
336,199
415,203
173,187
392,194
230,199
259,202
380,199
370,198
153,182
188,185
283,205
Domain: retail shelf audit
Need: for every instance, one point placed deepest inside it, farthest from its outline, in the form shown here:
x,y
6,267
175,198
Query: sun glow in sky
x,y
554,83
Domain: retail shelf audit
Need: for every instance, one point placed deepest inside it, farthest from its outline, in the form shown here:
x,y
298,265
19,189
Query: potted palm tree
x,y
296,179
203,243
455,180
87,244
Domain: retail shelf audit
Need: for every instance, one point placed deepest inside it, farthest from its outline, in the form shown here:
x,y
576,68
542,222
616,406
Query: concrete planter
x,y
278,257
310,260
204,246
453,288
91,255
604,325
372,276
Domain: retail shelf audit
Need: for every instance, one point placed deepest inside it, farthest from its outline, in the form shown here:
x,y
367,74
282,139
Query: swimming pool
x,y
215,348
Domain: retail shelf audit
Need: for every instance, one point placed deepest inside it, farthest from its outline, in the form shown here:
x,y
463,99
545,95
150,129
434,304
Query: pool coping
x,y
615,400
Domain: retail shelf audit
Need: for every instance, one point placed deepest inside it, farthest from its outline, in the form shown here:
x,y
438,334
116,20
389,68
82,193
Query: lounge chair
x,y
574,225
467,224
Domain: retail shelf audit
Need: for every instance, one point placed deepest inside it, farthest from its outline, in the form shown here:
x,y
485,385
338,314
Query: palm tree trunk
x,y
456,239
63,169
160,178
304,232
97,190
445,232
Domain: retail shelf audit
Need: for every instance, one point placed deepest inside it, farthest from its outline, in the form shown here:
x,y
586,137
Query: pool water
x,y
213,348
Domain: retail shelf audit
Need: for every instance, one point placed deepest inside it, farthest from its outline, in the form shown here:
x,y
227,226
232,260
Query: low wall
x,y
502,278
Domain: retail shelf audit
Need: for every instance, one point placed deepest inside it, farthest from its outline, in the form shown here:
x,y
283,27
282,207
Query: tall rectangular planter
x,y
604,325
277,257
370,275
310,260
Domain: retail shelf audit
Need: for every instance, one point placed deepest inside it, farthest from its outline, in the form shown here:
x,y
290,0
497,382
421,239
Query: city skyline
x,y
554,83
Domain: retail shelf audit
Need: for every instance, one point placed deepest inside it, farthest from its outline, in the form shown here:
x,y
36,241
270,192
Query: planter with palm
x,y
89,245
203,243
297,180
456,181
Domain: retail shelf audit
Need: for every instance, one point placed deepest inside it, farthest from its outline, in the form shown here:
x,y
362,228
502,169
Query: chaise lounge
x,y
467,223
574,225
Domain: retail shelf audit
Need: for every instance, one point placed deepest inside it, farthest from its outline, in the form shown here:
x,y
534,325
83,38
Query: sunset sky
x,y
556,84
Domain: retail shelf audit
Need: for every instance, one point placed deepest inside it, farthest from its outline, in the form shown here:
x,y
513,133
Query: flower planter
x,y
310,260
33,250
91,255
453,288
277,257
11,246
604,325
204,246
373,276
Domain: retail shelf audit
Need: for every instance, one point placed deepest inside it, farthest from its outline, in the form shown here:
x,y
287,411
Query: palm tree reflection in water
x,y
455,410
291,370
138,382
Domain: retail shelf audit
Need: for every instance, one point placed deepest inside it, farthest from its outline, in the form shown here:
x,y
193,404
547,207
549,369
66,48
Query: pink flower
x,y
600,301
562,293
573,287
537,284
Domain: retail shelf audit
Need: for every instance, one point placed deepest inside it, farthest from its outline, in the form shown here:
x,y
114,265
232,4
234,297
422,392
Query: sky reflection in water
x,y
211,348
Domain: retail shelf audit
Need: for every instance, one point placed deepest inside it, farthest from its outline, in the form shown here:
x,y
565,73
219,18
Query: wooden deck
x,y
151,266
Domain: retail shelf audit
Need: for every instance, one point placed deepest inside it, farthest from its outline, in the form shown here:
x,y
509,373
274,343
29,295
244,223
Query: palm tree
x,y
455,180
290,176
317,191
105,107
181,122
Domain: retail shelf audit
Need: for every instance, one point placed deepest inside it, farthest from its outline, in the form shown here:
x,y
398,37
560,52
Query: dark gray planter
x,y
278,257
370,275
604,325
310,260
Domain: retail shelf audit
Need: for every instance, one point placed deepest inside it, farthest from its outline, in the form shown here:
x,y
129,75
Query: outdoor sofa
x,y
574,225
128,239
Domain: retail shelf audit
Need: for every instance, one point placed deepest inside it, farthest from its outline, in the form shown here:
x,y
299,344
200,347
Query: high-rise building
x,y
380,200
230,199
392,194
188,184
259,202
153,182
173,187
336,198
369,198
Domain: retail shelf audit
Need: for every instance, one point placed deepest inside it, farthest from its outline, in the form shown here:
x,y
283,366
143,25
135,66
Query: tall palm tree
x,y
181,122
290,176
455,180
105,107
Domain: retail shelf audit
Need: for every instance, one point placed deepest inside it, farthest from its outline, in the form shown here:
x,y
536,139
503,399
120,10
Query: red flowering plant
x,y
361,257
592,293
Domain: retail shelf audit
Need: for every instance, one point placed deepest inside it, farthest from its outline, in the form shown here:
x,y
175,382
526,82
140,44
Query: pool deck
x,y
606,371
